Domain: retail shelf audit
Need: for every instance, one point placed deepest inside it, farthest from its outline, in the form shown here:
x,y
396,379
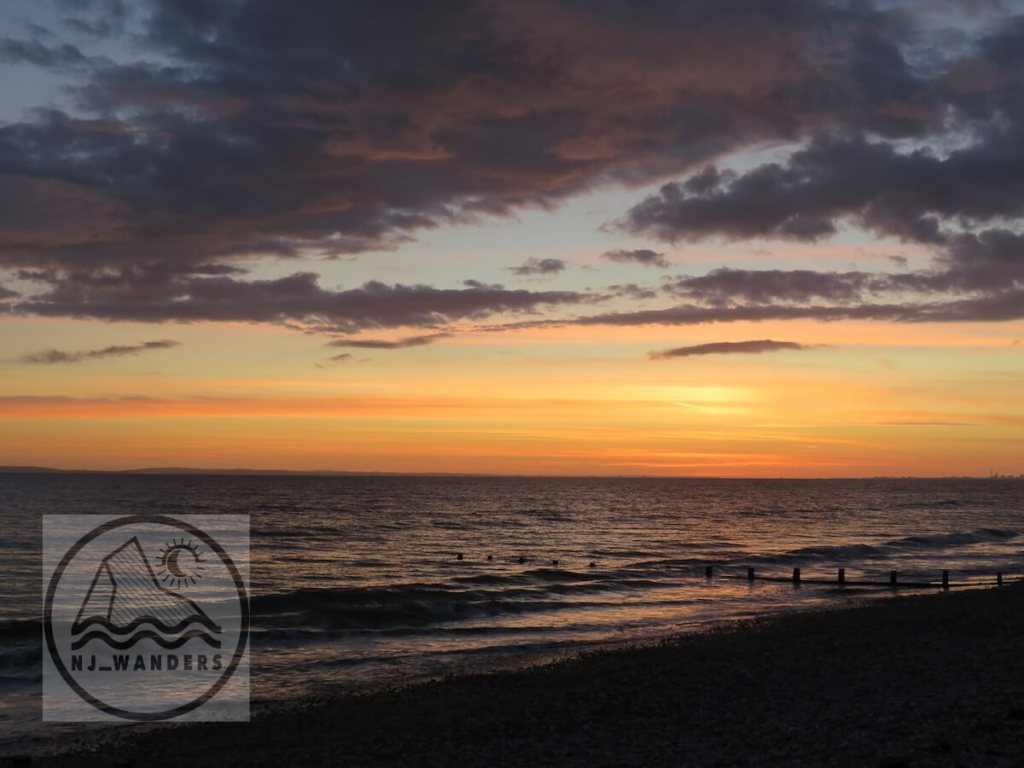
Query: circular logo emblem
x,y
146,617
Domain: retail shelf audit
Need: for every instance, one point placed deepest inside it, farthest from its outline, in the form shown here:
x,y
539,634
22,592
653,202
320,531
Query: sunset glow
x,y
500,272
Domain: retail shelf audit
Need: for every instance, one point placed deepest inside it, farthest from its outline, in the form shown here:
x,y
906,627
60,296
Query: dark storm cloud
x,y
348,127
644,256
56,356
539,267
7,293
870,184
297,298
255,129
411,341
728,348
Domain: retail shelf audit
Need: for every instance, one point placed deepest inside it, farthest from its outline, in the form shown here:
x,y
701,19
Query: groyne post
x,y
842,576
750,574
999,579
945,579
707,571
796,575
892,578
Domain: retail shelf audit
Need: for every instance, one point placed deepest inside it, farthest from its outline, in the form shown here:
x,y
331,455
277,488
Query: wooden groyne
x,y
893,582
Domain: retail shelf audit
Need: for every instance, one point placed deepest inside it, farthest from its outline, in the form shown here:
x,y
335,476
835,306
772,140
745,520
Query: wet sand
x,y
935,680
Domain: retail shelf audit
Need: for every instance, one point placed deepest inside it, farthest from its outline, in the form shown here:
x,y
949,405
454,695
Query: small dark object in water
x,y
554,562
707,571
892,578
842,575
458,556
522,560
592,564
489,558
750,574
796,575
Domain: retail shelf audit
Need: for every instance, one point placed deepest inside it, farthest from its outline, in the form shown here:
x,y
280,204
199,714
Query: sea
x,y
357,582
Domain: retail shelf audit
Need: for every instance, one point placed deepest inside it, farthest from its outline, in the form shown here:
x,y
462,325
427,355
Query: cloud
x,y
847,178
59,58
539,267
995,307
410,341
771,285
101,19
7,293
56,356
220,141
298,298
644,257
229,133
633,291
728,348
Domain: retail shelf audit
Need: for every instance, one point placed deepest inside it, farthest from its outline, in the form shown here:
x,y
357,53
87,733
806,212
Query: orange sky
x,y
504,224
877,400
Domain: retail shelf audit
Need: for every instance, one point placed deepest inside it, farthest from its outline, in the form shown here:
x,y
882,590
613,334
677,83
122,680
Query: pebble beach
x,y
928,680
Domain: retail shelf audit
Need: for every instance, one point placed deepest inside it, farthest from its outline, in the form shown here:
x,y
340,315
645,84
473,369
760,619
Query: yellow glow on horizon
x,y
575,400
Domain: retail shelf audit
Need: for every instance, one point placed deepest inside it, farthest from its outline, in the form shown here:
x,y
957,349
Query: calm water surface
x,y
355,580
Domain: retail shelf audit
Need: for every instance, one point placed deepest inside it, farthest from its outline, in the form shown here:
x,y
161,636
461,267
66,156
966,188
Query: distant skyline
x,y
543,238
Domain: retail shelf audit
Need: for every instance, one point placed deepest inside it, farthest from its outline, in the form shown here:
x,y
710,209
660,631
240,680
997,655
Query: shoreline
x,y
914,680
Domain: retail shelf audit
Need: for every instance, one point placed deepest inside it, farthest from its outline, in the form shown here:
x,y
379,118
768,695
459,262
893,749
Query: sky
x,y
569,238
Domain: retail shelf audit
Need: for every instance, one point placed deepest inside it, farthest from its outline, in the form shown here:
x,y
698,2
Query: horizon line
x,y
241,471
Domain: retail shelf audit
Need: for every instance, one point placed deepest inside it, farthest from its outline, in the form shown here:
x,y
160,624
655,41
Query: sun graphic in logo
x,y
180,564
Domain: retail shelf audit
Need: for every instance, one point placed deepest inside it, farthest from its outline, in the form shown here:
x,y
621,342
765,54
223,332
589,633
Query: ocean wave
x,y
939,541
414,606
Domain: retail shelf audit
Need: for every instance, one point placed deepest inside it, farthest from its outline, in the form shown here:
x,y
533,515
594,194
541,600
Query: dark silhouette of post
x,y
842,576
945,579
750,574
999,579
892,578
458,556
707,571
796,575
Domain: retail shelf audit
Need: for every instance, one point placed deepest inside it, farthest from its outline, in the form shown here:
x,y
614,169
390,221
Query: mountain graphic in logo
x,y
126,604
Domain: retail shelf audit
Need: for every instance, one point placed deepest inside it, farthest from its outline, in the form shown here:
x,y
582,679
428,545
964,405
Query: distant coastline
x,y
241,472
